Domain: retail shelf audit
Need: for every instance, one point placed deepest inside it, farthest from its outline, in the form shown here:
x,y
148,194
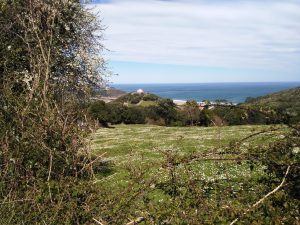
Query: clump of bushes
x,y
165,112
116,112
135,98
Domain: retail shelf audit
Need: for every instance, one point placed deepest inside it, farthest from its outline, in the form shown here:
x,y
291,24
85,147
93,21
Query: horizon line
x,y
225,82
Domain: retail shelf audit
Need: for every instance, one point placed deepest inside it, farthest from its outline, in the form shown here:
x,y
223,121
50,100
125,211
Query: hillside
x,y
111,92
287,101
142,99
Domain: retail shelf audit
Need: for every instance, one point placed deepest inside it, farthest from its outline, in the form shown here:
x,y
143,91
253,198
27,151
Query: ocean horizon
x,y
235,92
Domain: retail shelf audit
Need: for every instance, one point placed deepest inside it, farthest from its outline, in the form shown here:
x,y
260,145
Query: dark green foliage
x,y
152,113
98,111
240,116
206,117
135,98
133,115
166,110
115,112
132,98
281,154
285,103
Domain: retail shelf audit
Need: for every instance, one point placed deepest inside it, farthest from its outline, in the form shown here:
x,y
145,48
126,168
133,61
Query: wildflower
x,y
296,150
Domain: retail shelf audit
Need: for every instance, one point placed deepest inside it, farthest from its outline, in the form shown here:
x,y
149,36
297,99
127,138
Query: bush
x,y
133,115
115,112
98,111
49,59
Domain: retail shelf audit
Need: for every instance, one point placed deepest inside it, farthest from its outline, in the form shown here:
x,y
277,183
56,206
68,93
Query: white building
x,y
140,91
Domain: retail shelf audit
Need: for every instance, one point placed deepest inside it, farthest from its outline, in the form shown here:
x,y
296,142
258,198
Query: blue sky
x,y
186,41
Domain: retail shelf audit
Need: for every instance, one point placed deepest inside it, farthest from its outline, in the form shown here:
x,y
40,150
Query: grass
x,y
147,103
153,172
145,146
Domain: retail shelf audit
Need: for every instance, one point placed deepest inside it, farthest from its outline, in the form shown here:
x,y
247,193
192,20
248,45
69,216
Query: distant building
x,y
140,91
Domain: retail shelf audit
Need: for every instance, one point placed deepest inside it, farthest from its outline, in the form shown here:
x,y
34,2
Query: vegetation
x,y
285,103
196,175
50,63
132,109
49,60
136,98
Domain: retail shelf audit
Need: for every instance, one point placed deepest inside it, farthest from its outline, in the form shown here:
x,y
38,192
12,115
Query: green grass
x,y
153,171
145,147
147,103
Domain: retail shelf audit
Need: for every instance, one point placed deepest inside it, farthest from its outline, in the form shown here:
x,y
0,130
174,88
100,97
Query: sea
x,y
232,92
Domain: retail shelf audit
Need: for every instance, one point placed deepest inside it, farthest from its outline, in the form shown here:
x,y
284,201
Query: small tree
x,y
166,110
98,111
192,110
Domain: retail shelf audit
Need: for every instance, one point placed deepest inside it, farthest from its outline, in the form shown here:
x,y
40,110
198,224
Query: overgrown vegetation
x,y
50,60
196,175
164,112
284,102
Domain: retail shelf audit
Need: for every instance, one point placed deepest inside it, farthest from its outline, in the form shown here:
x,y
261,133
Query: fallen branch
x,y
98,222
257,133
136,221
92,162
266,196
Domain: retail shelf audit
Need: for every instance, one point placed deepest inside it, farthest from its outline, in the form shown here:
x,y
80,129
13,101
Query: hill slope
x,y
287,101
143,99
111,92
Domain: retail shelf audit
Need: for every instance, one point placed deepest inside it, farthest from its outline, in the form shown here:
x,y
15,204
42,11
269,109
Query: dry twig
x,y
265,197
136,221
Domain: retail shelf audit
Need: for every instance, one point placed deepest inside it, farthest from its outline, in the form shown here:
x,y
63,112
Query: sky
x,y
200,41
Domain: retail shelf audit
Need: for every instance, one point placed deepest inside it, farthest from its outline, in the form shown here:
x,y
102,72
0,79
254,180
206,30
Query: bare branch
x,y
98,222
265,197
136,221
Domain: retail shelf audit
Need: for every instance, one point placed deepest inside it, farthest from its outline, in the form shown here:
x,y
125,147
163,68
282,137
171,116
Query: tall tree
x,y
49,59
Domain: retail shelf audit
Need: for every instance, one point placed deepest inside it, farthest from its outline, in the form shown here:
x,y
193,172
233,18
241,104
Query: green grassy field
x,y
168,173
147,147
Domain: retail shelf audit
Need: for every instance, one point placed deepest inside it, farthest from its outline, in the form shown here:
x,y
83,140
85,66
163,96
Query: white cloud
x,y
259,34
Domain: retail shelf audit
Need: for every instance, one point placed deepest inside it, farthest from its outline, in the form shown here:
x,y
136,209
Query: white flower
x,y
9,47
296,150
67,27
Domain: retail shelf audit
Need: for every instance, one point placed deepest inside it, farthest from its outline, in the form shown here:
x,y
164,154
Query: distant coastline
x,y
235,92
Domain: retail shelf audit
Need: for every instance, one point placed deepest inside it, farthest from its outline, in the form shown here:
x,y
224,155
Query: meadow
x,y
148,144
169,168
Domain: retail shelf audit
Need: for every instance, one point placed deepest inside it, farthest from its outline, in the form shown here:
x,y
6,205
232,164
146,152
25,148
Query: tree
x,y
166,110
115,111
49,60
192,110
133,115
98,111
206,117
